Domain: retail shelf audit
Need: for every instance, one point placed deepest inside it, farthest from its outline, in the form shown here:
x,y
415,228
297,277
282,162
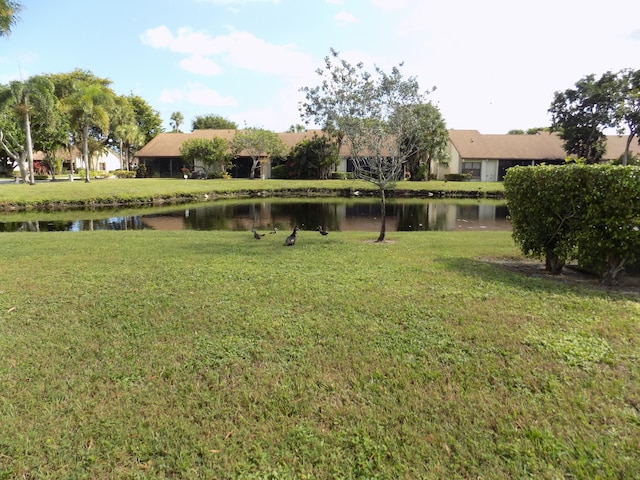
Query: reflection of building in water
x,y
445,216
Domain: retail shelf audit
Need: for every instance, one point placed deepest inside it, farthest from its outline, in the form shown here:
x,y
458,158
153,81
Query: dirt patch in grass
x,y
571,275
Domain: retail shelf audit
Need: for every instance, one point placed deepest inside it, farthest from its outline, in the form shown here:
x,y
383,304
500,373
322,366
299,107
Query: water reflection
x,y
242,215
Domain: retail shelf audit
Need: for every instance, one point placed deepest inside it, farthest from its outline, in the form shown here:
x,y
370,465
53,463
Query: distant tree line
x,y
56,113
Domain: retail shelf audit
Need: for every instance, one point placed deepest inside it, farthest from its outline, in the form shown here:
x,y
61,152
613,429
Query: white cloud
x,y
199,94
196,94
344,19
238,49
391,4
171,95
200,65
236,2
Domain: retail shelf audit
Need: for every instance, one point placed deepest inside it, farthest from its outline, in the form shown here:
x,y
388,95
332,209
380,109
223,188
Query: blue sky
x,y
496,63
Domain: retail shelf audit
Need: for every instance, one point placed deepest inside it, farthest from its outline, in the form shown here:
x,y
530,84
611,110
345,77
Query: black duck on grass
x,y
322,230
275,230
291,239
257,235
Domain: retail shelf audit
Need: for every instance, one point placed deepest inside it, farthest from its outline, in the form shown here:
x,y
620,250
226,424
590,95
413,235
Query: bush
x,y
586,212
342,175
457,177
279,171
40,176
125,173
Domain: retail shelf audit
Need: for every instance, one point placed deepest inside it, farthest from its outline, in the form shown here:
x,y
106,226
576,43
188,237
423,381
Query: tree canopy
x,y
214,122
211,152
260,145
312,158
582,114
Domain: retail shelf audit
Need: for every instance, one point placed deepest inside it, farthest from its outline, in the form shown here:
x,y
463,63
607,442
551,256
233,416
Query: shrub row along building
x,y
484,157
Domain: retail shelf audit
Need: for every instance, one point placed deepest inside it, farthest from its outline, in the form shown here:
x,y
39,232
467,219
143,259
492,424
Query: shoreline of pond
x,y
182,199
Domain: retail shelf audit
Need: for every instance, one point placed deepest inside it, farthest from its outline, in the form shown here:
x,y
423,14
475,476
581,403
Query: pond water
x,y
269,213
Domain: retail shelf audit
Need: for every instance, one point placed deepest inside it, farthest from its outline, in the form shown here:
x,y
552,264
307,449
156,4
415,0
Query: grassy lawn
x,y
200,355
147,190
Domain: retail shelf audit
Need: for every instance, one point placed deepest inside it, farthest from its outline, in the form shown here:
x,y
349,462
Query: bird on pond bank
x,y
257,235
323,231
291,239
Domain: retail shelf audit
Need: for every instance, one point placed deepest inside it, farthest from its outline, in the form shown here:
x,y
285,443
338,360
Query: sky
x,y
495,64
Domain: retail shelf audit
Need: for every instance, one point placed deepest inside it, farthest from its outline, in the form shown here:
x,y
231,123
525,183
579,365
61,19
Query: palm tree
x,y
9,11
35,95
88,108
176,119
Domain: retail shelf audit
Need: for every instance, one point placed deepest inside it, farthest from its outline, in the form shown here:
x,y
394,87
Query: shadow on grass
x,y
531,275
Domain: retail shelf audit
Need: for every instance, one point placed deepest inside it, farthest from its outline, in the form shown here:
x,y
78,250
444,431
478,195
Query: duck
x,y
322,230
291,239
257,235
275,230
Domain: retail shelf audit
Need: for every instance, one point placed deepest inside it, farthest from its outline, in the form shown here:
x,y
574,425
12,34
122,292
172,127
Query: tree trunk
x,y
383,214
85,153
553,263
625,158
29,141
615,265
254,164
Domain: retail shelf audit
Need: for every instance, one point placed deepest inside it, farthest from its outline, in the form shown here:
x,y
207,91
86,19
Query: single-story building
x,y
487,157
107,161
162,154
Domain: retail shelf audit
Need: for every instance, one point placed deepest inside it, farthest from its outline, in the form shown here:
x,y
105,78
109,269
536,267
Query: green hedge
x,y
125,173
586,212
457,177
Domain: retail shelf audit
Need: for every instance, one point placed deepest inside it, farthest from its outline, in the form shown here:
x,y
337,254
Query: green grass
x,y
138,190
199,355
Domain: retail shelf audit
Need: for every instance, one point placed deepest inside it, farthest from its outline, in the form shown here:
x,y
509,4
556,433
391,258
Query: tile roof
x,y
542,146
168,144
471,144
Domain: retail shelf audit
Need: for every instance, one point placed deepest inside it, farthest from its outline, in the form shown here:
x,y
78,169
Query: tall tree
x,y
213,122
432,142
35,96
582,113
259,144
9,15
88,108
176,120
147,118
374,115
628,109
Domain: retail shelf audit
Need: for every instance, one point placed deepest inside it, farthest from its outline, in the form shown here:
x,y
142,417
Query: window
x,y
472,168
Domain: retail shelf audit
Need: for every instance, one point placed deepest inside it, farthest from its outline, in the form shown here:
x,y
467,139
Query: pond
x,y
335,214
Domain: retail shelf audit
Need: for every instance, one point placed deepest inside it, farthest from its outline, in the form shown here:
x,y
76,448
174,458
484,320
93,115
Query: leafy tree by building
x,y
212,153
374,115
147,118
628,109
432,141
313,158
260,145
213,122
581,115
